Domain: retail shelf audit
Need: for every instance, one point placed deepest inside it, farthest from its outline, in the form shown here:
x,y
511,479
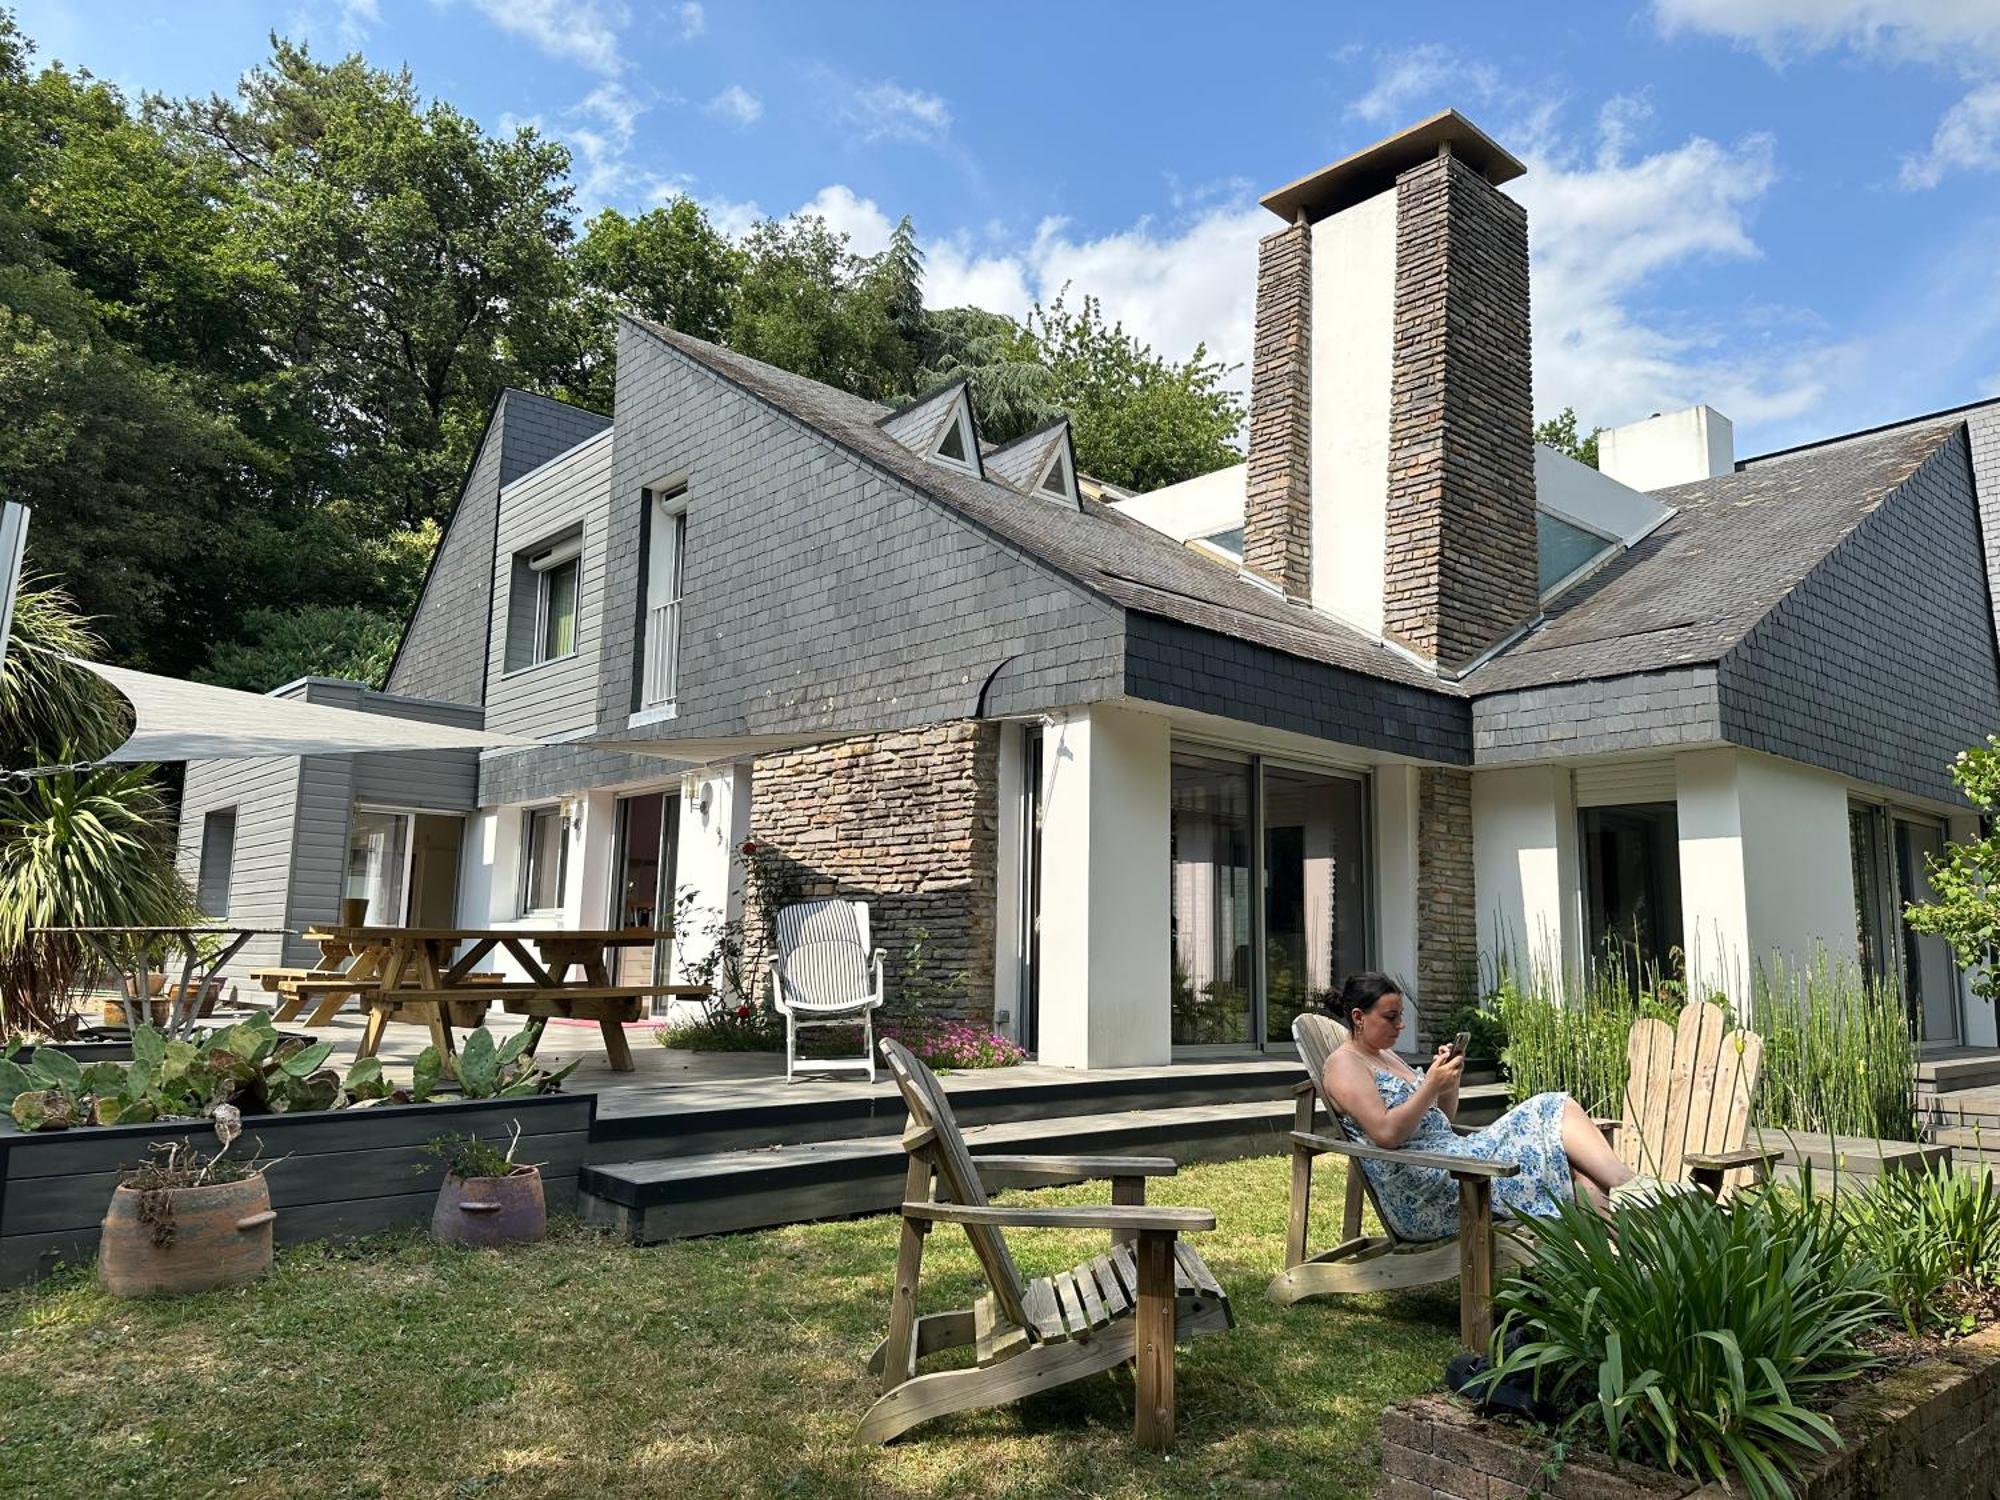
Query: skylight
x,y
1561,548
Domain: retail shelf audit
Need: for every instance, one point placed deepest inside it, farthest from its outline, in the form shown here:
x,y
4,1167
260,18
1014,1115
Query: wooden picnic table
x,y
419,974
131,951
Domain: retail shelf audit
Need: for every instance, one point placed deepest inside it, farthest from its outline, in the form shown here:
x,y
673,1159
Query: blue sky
x,y
1786,208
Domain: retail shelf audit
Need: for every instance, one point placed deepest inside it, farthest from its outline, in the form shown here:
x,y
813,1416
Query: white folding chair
x,y
826,973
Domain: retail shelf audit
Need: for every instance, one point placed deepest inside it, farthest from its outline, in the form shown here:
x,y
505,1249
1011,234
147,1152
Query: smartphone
x,y
1460,1042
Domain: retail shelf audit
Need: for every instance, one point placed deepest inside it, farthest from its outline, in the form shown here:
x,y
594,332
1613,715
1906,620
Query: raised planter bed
x,y
334,1175
1930,1431
119,1048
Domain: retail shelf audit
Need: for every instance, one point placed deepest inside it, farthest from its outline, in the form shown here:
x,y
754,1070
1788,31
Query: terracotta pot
x,y
486,1211
215,1235
158,1012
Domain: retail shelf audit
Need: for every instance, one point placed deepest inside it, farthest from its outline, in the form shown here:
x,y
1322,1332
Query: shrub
x,y
740,1028
1838,1054
1935,1236
1698,1336
953,1044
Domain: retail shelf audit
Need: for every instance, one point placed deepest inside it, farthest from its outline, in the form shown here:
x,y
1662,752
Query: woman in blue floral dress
x,y
1383,1100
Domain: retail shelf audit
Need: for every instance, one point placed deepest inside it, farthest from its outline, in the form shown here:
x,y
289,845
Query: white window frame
x,y
668,508
967,437
545,565
527,861
409,817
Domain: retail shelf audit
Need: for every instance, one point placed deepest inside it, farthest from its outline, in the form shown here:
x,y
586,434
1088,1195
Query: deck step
x,y
1957,1068
725,1191
703,1120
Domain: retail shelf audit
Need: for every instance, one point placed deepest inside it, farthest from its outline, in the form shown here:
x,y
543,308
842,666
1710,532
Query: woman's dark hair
x,y
1363,992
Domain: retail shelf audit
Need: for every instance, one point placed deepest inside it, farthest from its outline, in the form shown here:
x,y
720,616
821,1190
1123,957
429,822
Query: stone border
x,y
1929,1431
334,1174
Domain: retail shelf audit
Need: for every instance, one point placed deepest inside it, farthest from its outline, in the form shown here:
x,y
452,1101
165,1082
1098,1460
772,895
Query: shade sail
x,y
192,721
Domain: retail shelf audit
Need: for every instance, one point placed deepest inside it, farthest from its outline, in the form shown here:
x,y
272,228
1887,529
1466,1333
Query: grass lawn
x,y
733,1366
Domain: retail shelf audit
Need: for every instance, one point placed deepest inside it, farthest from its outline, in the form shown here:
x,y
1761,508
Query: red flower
x,y
749,846
742,1012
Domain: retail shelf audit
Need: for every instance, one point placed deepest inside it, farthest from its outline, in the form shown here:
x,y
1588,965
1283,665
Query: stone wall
x,y
1460,545
906,821
1927,1432
1277,505
1447,916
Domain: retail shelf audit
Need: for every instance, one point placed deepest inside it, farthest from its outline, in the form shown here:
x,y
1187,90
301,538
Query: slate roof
x,y
1737,544
1122,560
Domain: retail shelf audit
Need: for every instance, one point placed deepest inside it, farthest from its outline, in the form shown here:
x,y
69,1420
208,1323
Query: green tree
x,y
416,254
1139,420
1561,433
1964,908
1013,392
314,640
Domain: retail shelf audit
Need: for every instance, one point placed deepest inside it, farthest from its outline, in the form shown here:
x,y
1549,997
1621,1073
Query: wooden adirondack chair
x,y
1385,1262
1687,1100
1129,1304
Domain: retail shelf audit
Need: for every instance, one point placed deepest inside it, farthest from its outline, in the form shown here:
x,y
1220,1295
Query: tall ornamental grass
x,y
1839,1055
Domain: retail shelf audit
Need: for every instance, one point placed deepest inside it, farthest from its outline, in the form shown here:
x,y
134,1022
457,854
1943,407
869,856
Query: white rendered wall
x,y
1193,508
1715,914
1766,867
1677,447
1105,940
1396,882
1524,861
1798,866
1353,352
704,853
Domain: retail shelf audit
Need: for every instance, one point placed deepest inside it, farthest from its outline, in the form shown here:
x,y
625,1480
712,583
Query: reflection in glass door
x,y
1315,892
644,879
1211,921
1930,976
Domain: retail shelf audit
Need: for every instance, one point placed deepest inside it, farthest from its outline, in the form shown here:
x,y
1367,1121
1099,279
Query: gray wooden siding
x,y
265,795
557,697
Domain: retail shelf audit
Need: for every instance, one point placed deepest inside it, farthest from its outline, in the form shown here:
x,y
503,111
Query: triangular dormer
x,y
1042,464
939,428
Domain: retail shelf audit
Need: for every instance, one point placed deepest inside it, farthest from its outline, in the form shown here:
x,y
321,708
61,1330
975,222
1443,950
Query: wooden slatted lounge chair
x,y
1687,1100
1385,1262
826,973
1130,1304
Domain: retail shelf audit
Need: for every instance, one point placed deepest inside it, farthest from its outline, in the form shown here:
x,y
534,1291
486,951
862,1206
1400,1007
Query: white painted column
x,y
714,821
1798,864
1715,913
1396,882
1524,855
1105,960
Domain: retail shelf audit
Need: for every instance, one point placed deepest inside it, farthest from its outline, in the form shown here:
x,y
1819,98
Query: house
x,y
1147,774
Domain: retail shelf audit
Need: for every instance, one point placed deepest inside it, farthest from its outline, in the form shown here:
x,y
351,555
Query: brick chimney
x,y
1391,467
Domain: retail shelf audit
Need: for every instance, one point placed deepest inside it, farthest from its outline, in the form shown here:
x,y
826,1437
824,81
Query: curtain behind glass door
x,y
1211,915
1315,892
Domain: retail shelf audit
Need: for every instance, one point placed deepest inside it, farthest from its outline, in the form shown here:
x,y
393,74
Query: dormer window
x,y
1059,483
1041,464
939,429
957,443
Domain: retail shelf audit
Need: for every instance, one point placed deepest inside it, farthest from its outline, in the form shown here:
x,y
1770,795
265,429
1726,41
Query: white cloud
x,y
888,111
1967,138
585,32
1959,36
867,228
1937,31
729,216
737,105
1410,77
693,19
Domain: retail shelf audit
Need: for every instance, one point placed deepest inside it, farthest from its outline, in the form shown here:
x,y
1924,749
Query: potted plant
x,y
185,1222
486,1198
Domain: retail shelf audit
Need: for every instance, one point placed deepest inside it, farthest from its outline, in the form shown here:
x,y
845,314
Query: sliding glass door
x,y
643,879
1269,901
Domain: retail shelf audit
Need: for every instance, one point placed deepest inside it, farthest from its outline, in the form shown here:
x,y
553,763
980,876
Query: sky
x,y
1785,208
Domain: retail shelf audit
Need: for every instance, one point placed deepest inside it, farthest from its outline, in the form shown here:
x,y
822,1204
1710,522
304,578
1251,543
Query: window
x,y
378,862
666,549
1873,901
218,855
544,860
1230,541
1059,483
542,603
957,447
1561,548
1270,897
1632,887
